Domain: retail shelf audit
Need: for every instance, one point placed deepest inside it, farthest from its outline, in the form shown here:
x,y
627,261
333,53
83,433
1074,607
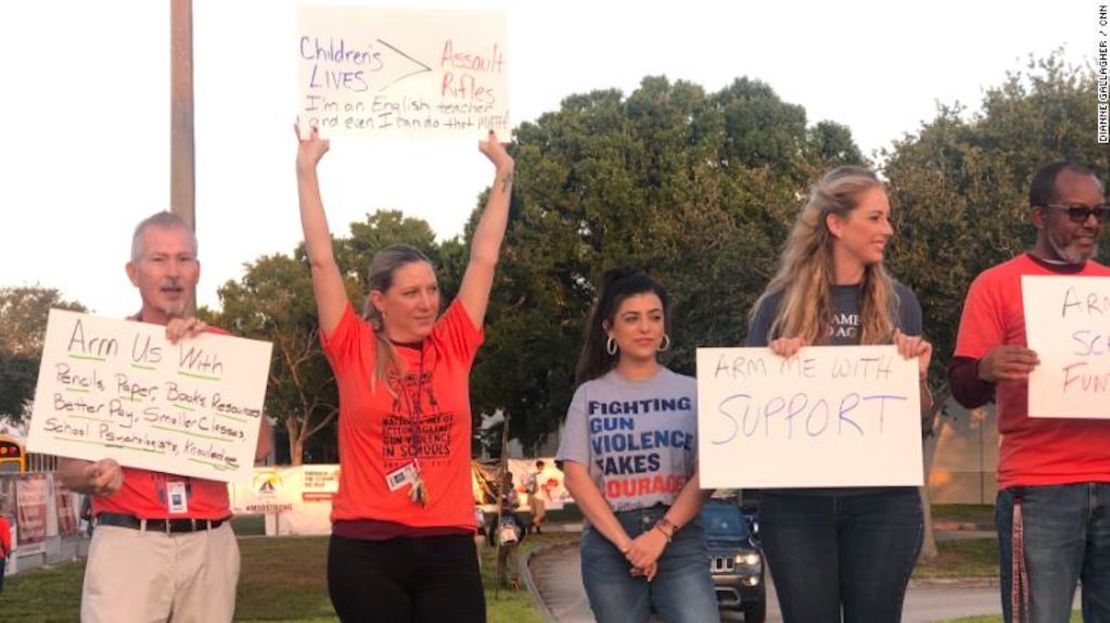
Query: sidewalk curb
x,y
525,570
960,582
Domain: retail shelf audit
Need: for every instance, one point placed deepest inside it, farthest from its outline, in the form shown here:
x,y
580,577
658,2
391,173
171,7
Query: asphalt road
x,y
558,577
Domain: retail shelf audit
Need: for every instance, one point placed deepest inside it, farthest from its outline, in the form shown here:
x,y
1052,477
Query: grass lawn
x,y
978,513
282,579
964,558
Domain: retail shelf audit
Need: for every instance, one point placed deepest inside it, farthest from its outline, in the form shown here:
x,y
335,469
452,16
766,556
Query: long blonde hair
x,y
806,273
382,269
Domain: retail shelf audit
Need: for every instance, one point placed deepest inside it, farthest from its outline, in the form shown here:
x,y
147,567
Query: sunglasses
x,y
1080,214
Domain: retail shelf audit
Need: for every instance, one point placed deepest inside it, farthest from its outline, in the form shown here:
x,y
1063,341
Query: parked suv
x,y
735,559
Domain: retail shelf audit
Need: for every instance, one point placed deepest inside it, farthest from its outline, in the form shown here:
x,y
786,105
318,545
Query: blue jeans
x,y
1067,538
682,591
854,551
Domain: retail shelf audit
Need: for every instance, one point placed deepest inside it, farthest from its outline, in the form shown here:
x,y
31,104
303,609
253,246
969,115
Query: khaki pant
x,y
140,576
538,510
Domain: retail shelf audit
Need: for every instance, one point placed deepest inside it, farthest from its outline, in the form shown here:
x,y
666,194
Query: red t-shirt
x,y
5,538
1033,451
144,493
377,430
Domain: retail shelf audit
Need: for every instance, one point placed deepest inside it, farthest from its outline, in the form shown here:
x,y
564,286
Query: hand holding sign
x,y
786,347
915,347
310,150
178,328
495,150
1008,362
105,476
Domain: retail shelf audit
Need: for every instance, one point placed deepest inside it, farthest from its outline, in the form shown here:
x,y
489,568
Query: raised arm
x,y
327,282
485,247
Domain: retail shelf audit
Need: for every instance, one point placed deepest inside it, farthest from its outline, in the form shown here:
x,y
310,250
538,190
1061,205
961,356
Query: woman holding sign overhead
x,y
402,544
851,548
628,452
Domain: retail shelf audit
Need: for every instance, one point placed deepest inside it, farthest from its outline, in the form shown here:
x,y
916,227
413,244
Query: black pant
x,y
406,580
850,551
3,562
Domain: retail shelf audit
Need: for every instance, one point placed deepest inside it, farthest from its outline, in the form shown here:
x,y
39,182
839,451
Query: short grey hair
x,y
163,220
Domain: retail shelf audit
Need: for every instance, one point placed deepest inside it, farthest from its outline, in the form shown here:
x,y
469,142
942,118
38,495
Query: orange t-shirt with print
x,y
145,493
426,417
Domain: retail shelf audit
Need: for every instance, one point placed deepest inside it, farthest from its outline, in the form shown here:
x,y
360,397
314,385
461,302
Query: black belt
x,y
157,525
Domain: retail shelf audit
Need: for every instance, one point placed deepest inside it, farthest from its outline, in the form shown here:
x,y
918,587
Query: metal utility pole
x,y
502,560
182,153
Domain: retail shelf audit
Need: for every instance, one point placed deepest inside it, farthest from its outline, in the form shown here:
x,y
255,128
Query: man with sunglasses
x,y
1053,506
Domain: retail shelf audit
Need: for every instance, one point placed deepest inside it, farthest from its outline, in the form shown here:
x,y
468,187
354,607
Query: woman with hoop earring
x,y
629,457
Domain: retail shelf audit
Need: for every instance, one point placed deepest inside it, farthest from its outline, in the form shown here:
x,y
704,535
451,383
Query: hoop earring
x,y
611,346
665,344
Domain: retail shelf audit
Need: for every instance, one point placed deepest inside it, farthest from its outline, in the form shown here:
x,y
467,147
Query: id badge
x,y
177,497
398,478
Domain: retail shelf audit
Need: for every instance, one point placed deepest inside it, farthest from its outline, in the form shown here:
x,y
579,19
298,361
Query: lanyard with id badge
x,y
409,474
177,496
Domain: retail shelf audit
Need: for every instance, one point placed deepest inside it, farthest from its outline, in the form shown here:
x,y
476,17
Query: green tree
x,y
273,302
23,315
959,186
959,190
698,189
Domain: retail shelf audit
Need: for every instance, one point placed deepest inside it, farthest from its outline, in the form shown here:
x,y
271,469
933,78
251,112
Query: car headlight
x,y
749,558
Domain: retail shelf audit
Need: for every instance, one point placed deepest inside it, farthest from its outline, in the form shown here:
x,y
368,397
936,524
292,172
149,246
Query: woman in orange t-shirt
x,y
402,544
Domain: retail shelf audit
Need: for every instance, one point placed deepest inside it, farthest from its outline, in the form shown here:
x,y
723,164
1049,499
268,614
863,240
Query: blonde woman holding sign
x,y
402,547
848,548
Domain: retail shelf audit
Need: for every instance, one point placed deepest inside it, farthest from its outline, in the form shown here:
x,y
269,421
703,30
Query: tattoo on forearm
x,y
506,182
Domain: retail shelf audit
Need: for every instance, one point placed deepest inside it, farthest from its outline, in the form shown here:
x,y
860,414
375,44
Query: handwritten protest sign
x,y
116,388
832,416
400,72
1067,323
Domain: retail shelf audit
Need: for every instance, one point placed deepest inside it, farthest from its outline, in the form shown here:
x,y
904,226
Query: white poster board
x,y
1067,323
832,416
373,71
119,389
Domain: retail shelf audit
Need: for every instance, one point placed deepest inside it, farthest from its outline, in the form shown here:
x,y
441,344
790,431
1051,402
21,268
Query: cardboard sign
x,y
1067,323
373,71
119,389
831,416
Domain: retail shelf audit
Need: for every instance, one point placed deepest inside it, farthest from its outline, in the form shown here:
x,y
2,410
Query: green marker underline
x,y
89,357
194,375
220,466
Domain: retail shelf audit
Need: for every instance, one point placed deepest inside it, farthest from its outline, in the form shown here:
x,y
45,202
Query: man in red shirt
x,y
1053,507
163,548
